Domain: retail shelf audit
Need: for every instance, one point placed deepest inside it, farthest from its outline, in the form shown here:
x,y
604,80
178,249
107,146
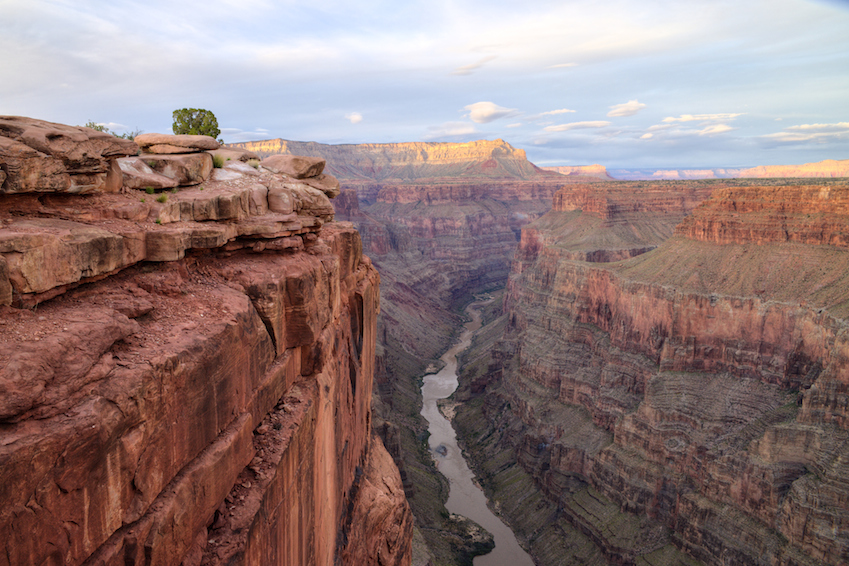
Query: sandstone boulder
x,y
186,169
280,198
242,168
41,156
225,175
138,175
328,184
296,166
168,144
312,202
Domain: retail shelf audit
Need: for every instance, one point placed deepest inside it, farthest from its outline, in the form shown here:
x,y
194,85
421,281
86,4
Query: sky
x,y
622,83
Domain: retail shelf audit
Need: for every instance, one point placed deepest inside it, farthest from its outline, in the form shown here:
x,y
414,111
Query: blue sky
x,y
623,83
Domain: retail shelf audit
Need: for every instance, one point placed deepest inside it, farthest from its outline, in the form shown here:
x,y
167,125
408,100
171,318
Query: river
x,y
465,497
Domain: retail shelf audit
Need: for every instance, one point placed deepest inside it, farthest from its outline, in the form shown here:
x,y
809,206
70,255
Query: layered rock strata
x,y
193,382
694,395
406,162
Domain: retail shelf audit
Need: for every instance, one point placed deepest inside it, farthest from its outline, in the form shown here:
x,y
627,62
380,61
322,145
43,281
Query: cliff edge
x,y
186,361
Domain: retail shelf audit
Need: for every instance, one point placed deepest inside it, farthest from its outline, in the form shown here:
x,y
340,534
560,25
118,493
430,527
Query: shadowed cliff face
x,y
689,399
186,378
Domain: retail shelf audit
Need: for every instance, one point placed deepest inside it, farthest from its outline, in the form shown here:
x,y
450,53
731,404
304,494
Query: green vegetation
x,y
217,161
254,163
149,190
102,128
162,198
195,121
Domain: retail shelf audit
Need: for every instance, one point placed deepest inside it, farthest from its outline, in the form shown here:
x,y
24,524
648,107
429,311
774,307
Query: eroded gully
x,y
465,497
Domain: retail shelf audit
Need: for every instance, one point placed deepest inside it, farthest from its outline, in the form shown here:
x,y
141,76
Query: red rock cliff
x,y
701,387
193,381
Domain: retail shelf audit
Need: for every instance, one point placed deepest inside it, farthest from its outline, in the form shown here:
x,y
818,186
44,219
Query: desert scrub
x,y
162,198
217,161
254,163
149,190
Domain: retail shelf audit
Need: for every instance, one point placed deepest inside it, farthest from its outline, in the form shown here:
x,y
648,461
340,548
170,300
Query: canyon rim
x,y
218,365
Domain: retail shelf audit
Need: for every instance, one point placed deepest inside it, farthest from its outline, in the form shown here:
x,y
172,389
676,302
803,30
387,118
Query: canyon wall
x,y
440,222
406,162
185,375
599,171
685,405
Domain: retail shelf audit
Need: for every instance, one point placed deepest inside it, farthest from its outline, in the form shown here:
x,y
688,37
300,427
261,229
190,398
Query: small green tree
x,y
97,127
196,121
102,128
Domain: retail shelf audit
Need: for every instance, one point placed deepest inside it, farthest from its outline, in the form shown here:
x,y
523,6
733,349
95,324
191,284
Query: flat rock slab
x,y
138,175
45,253
186,169
296,166
168,144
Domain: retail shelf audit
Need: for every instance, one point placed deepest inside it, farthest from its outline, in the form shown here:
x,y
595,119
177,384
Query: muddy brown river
x,y
465,497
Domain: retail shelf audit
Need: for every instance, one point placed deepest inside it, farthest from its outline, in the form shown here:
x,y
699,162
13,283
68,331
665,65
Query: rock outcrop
x,y
599,171
408,162
829,168
38,156
688,403
195,384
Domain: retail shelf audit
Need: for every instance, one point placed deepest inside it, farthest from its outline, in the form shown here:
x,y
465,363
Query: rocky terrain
x,y
441,222
186,359
599,171
686,405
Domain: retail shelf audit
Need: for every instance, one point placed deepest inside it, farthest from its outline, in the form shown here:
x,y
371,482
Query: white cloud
x,y
646,136
516,125
450,130
812,132
553,112
469,69
702,118
562,65
714,129
484,112
577,126
354,117
627,109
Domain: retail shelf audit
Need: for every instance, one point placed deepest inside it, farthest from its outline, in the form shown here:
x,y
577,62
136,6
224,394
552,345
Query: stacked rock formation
x,y
685,404
184,377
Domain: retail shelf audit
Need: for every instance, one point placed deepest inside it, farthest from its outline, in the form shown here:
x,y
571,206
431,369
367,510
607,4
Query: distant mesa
x,y
599,171
830,168
414,161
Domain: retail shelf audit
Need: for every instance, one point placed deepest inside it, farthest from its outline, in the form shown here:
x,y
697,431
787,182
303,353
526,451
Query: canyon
x,y
206,360
683,405
186,360
662,383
